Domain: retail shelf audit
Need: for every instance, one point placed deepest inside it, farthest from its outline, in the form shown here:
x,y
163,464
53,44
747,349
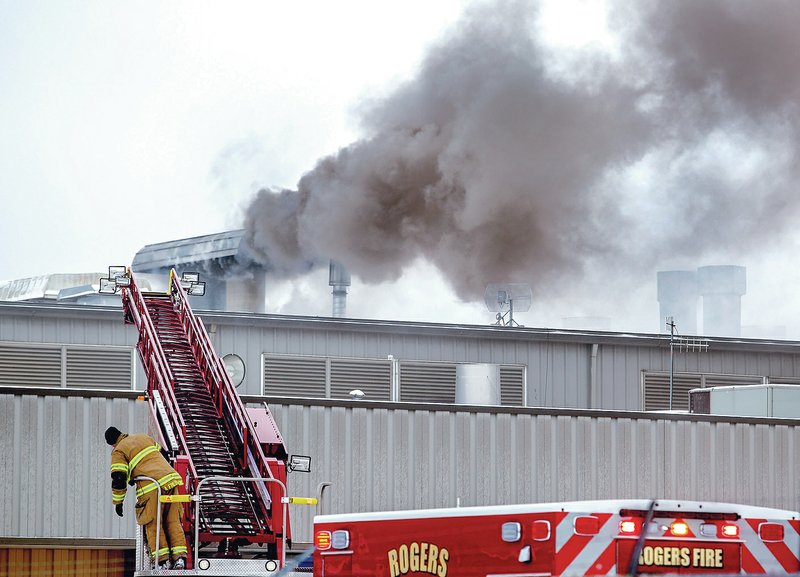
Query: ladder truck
x,y
232,459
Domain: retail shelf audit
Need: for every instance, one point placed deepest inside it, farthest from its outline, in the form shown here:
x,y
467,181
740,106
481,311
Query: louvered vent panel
x,y
783,380
373,377
294,376
427,382
656,390
512,384
714,380
30,366
99,368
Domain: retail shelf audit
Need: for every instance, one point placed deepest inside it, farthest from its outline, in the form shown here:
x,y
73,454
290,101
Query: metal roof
x,y
46,286
198,249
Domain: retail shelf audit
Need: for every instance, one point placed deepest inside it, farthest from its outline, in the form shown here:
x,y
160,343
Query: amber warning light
x,y
730,530
679,529
322,540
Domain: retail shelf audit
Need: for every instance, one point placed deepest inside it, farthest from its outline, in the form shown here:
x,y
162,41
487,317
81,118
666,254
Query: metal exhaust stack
x,y
338,280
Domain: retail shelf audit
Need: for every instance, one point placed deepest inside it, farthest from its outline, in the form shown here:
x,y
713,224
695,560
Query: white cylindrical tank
x,y
477,384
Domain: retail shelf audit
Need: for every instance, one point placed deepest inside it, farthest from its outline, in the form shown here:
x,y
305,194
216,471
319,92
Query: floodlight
x,y
117,271
301,463
123,281
191,277
197,289
107,286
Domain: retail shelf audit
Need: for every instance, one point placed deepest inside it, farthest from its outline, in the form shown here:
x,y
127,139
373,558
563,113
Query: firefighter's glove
x,y
119,509
118,480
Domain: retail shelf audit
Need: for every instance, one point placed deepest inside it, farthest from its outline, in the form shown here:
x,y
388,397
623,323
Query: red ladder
x,y
211,425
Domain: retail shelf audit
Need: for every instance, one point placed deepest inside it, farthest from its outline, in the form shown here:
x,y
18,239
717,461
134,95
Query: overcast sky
x,y
131,123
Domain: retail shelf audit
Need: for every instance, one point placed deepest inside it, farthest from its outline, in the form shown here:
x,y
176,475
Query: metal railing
x,y
197,498
229,405
153,552
159,375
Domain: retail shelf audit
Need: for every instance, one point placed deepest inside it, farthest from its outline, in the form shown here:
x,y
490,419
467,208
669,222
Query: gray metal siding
x,y
85,326
55,479
393,456
559,363
410,458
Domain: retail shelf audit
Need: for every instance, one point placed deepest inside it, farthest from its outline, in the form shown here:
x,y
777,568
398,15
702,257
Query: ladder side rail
x,y
211,365
159,375
156,366
252,457
230,410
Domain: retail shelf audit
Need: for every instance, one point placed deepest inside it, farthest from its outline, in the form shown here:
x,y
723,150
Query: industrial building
x,y
579,414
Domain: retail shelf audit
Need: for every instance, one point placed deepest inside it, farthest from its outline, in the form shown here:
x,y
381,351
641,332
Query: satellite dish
x,y
234,365
507,298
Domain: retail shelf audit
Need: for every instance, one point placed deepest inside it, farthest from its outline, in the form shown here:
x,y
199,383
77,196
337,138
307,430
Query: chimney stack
x,y
338,280
677,297
722,288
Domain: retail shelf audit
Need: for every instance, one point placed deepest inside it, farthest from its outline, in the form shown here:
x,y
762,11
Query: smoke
x,y
494,163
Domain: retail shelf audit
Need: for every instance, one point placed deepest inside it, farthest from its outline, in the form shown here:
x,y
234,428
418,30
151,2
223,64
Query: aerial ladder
x,y
234,481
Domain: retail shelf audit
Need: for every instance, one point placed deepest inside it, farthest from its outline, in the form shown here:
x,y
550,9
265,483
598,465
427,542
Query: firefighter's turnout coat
x,y
140,456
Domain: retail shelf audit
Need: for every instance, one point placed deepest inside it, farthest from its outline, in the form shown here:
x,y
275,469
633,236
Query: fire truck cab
x,y
571,538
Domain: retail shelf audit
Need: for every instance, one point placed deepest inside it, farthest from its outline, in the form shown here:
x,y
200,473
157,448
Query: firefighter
x,y
140,455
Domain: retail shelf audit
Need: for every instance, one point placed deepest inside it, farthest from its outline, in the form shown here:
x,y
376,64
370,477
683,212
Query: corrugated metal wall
x,y
55,481
560,364
392,456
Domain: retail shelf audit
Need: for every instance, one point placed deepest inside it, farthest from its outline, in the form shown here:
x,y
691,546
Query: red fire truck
x,y
577,538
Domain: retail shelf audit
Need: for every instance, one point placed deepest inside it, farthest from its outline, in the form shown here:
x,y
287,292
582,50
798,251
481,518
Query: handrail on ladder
x,y
220,380
155,362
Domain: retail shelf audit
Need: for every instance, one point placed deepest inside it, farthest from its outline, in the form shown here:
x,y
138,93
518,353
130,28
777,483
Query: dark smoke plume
x,y
492,165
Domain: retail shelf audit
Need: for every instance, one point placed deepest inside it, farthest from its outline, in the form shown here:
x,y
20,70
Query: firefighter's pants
x,y
172,541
